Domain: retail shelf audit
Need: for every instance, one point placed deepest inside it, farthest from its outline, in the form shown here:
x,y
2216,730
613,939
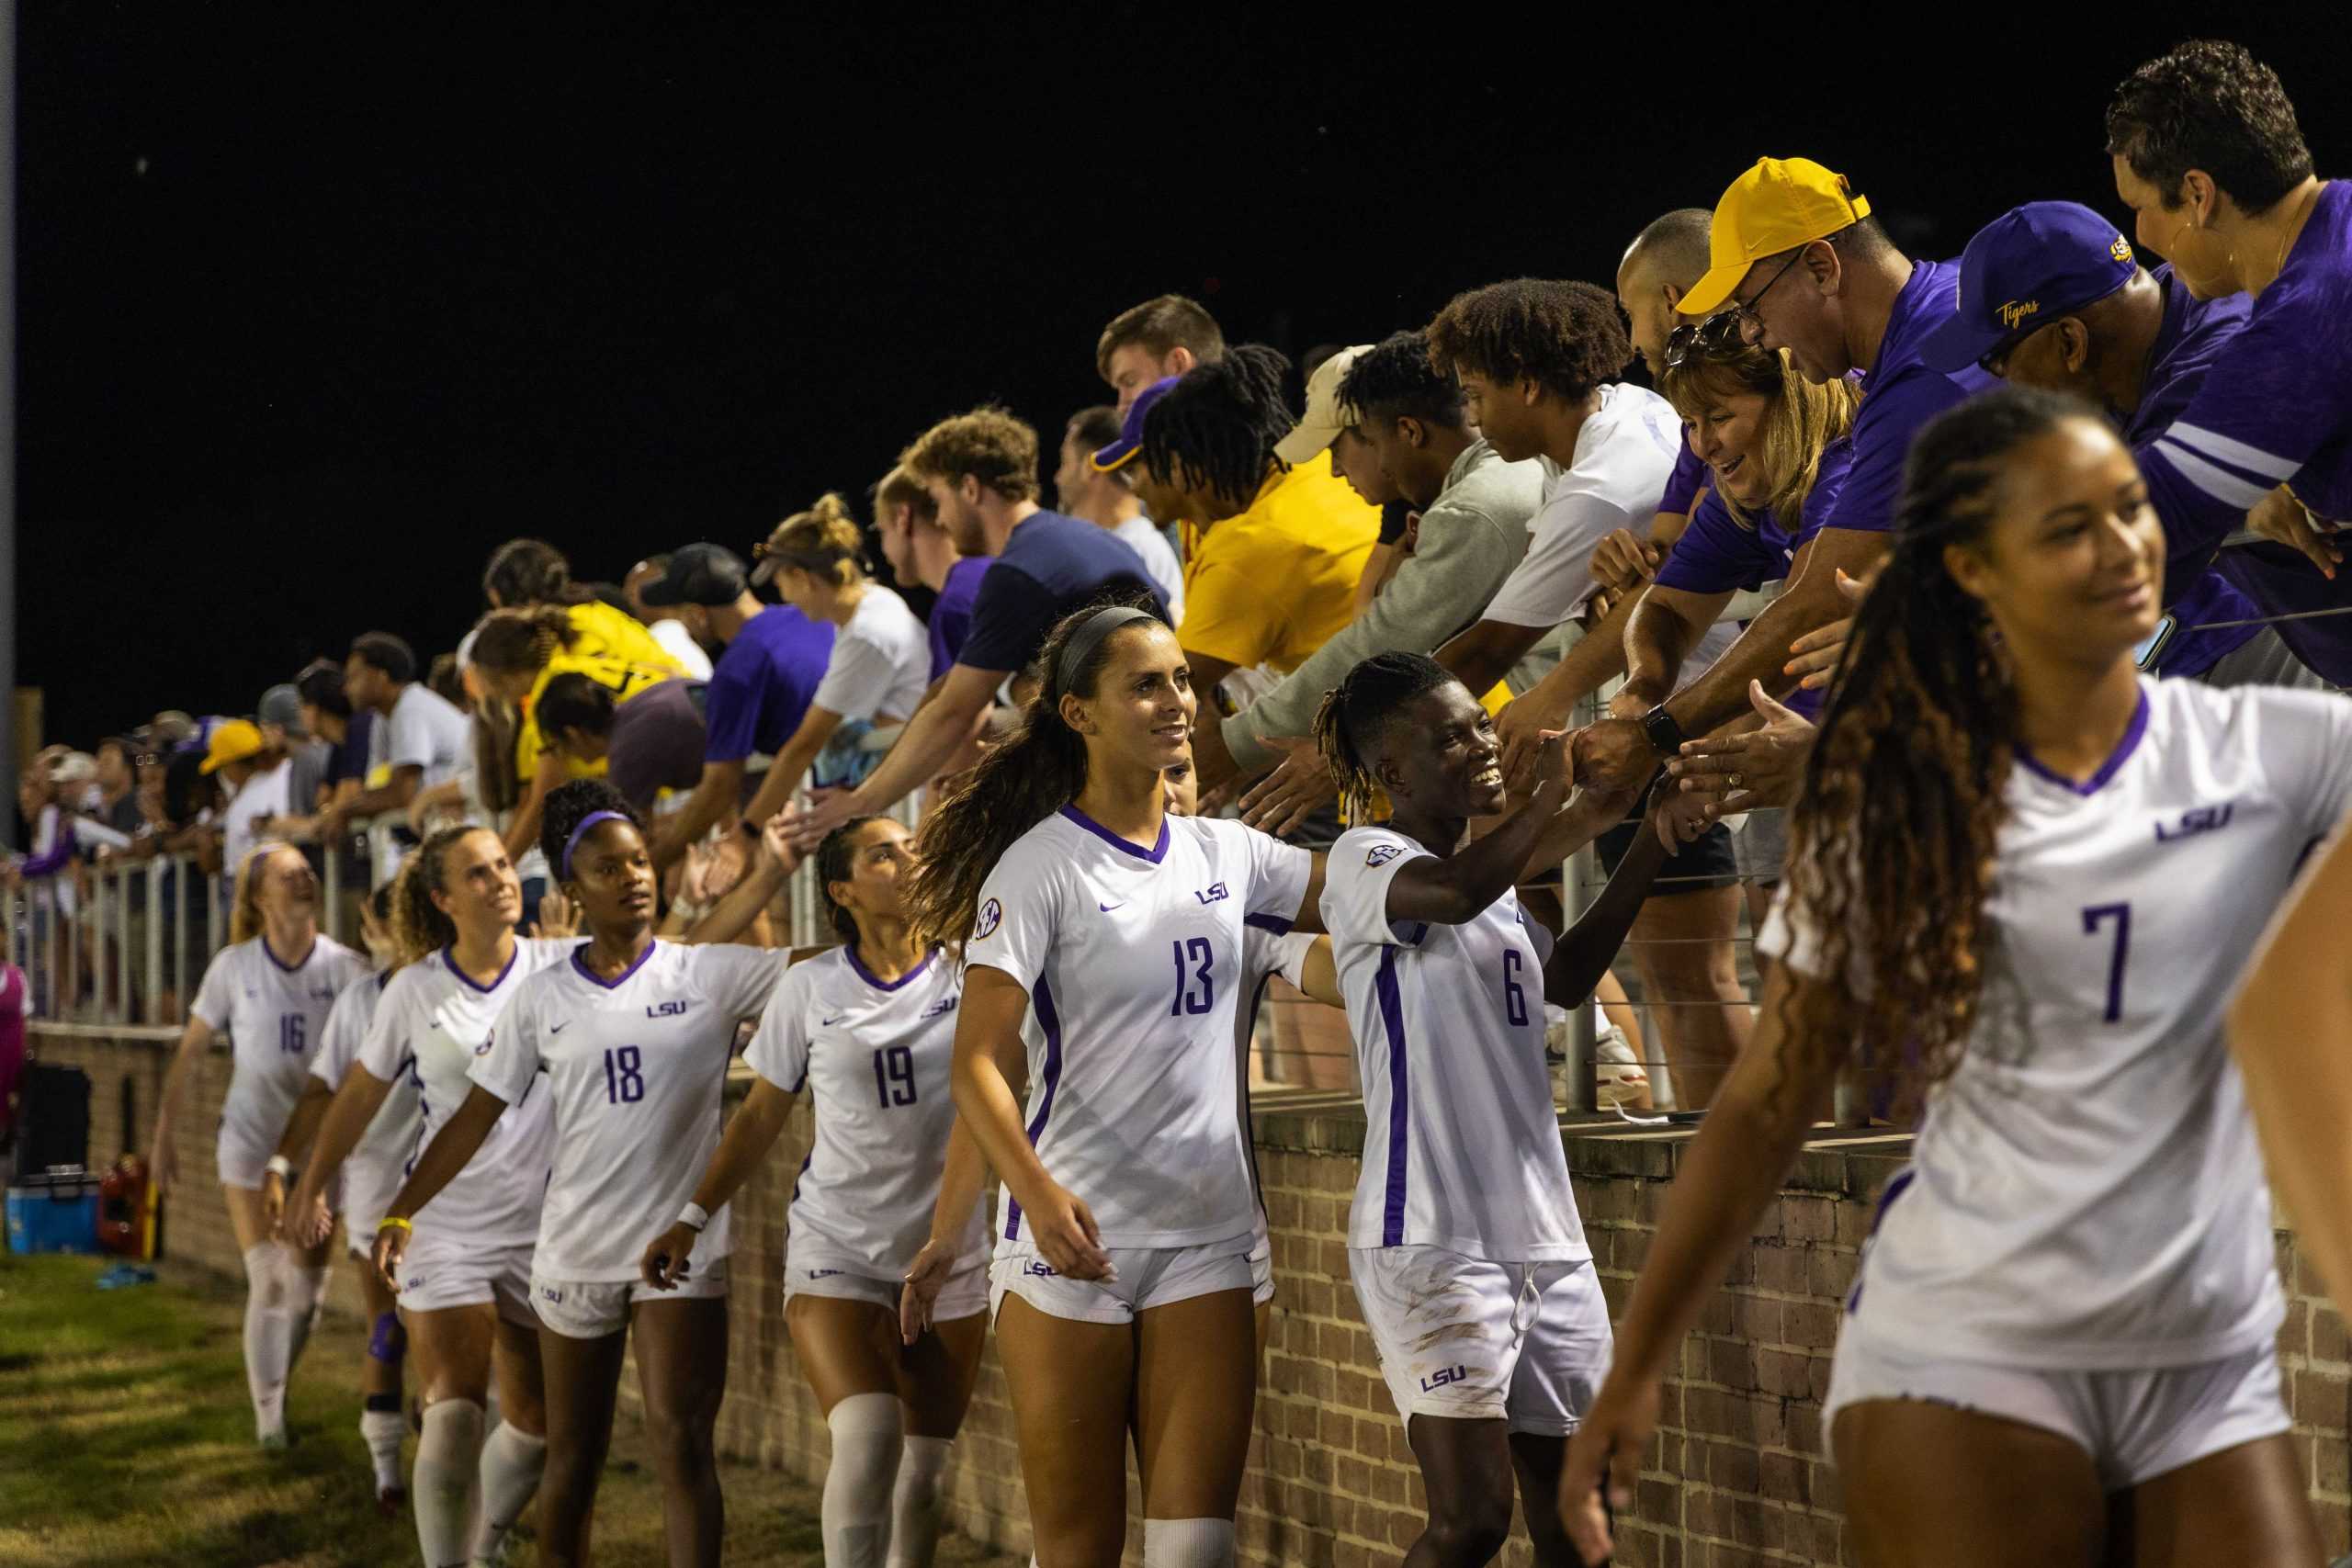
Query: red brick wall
x,y
1738,1474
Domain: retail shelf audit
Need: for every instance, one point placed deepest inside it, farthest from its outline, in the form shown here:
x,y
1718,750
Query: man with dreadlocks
x,y
1464,1246
1274,573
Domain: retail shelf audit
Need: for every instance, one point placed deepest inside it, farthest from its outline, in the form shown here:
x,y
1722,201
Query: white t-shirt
x,y
263,795
1625,454
426,731
680,645
1461,1146
1132,962
274,1016
874,1059
880,663
1143,536
431,1025
390,1139
2086,1189
635,1067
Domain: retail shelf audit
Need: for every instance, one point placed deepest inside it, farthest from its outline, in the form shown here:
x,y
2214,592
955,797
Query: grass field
x,y
126,1439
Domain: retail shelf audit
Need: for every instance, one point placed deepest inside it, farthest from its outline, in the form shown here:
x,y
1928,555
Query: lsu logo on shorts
x,y
824,1273
1037,1268
991,916
551,1294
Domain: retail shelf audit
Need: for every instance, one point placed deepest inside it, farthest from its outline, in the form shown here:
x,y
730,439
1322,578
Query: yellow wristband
x,y
393,1222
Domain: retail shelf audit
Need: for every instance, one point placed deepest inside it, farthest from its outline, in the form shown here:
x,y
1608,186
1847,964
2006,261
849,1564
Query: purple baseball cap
x,y
2022,271
1111,458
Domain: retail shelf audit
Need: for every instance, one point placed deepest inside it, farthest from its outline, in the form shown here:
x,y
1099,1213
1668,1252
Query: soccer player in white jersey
x,y
2024,878
463,1282
371,1176
1463,1241
1268,947
269,991
1103,941
869,1030
628,1039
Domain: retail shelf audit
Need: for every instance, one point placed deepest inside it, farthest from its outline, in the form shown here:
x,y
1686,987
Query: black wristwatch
x,y
1666,736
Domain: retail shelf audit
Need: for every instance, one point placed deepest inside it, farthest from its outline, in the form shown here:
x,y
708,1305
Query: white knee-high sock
x,y
856,1512
447,1458
1188,1543
269,1351
306,1298
511,1462
914,1505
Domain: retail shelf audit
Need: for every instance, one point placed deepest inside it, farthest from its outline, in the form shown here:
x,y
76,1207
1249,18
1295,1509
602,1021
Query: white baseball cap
x,y
1325,418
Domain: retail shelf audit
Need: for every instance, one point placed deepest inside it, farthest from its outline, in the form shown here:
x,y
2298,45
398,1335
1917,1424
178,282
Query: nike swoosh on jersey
x,y
1106,908
829,1022
555,1029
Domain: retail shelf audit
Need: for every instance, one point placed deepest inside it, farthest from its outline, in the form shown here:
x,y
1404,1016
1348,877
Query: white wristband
x,y
280,1167
694,1217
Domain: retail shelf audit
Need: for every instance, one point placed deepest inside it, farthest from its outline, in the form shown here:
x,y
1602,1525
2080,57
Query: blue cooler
x,y
55,1212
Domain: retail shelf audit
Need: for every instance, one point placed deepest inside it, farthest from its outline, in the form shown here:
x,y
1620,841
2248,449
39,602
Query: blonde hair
x,y
1800,419
824,541
244,910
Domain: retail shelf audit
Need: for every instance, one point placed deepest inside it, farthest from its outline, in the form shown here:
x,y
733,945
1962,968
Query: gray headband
x,y
1089,637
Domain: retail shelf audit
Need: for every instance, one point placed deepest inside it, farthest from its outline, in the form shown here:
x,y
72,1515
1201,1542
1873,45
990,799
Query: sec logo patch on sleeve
x,y
1381,854
991,915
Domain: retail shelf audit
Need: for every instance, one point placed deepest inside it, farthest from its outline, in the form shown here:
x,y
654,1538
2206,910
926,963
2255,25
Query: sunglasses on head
x,y
1718,333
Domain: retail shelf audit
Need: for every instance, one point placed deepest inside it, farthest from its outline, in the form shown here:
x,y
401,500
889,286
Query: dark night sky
x,y
314,317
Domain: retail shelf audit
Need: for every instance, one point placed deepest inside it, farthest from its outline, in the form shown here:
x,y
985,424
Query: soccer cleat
x,y
391,1501
276,1439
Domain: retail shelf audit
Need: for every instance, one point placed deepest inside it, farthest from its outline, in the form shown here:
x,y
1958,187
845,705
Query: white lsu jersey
x,y
391,1138
1132,962
2085,1190
876,1060
274,1015
635,1067
432,1024
1461,1147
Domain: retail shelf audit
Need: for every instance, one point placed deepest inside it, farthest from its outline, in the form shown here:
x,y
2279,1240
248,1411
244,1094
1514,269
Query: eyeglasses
x,y
1746,309
1713,336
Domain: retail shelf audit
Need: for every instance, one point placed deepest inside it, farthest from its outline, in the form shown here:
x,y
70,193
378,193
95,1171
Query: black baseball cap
x,y
702,574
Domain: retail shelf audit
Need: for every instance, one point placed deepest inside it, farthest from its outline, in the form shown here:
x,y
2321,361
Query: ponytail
x,y
1035,771
521,641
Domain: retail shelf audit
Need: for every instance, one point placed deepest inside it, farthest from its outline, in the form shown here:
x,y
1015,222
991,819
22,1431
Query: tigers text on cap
x,y
2023,270
1111,458
1780,204
1325,418
703,574
232,741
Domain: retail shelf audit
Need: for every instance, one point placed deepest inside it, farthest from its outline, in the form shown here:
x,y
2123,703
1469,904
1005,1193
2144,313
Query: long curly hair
x,y
1893,837
1033,772
419,927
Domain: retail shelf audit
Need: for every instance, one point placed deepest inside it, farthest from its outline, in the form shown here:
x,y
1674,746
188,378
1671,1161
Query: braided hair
x,y
522,640
1893,838
1215,429
834,858
569,804
1354,714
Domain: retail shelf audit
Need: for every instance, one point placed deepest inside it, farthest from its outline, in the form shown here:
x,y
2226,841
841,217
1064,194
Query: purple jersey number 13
x,y
2092,918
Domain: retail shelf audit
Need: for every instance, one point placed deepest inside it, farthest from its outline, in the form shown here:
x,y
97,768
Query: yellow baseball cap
x,y
233,741
1780,204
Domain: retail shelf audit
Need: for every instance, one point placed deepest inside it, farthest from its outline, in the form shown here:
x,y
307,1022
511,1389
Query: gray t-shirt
x,y
657,741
